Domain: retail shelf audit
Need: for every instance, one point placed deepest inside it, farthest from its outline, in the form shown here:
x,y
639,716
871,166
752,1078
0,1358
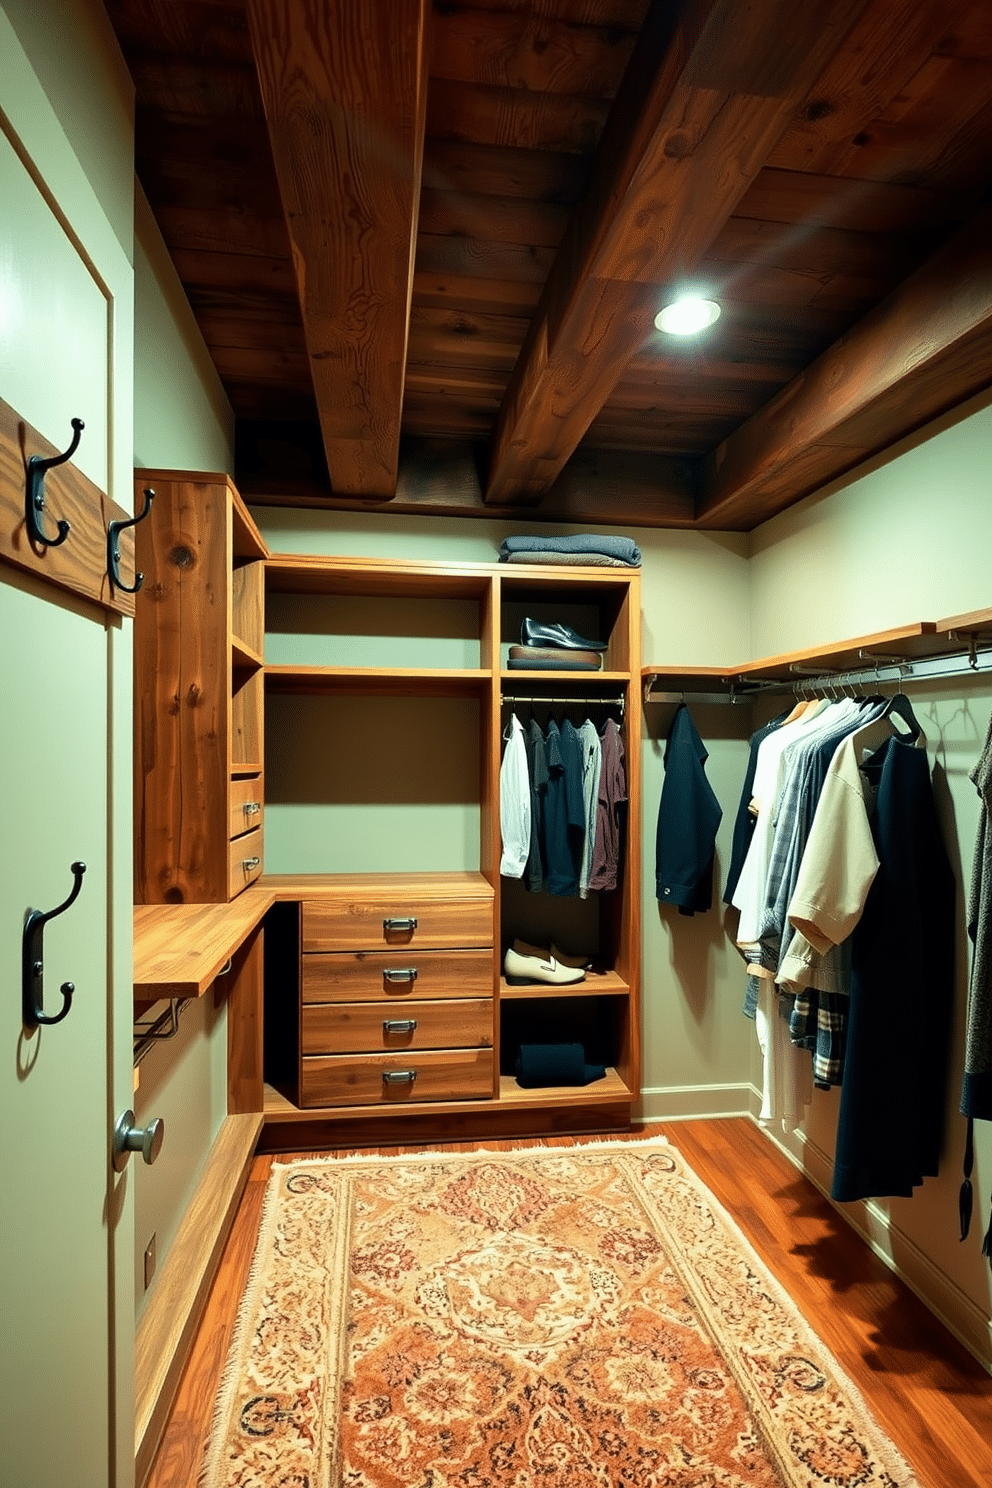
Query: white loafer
x,y
523,970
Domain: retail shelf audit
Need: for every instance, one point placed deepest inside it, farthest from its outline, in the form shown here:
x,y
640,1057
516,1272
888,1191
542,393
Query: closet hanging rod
x,y
586,702
903,671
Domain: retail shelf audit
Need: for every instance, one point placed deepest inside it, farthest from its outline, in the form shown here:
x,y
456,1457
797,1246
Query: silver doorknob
x,y
129,1138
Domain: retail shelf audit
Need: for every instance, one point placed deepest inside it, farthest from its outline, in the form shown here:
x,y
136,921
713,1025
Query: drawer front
x,y
345,1028
246,806
244,861
370,976
357,1079
337,924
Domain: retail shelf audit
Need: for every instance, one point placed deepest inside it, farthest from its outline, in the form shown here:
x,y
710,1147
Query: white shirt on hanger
x,y
514,802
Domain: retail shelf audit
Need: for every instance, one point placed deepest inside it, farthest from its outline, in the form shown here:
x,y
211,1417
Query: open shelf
x,y
608,1090
596,984
387,681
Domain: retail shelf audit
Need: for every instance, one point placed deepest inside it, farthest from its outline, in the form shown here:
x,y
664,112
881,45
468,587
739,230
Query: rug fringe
x,y
434,1154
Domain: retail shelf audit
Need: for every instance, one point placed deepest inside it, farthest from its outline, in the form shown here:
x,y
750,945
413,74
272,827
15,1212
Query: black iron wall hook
x,y
35,500
33,961
114,530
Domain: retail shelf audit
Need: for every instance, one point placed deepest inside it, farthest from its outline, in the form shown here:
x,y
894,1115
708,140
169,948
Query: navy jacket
x,y
688,816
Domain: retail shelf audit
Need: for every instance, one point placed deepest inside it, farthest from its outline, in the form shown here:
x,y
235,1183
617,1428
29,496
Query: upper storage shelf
x,y
906,645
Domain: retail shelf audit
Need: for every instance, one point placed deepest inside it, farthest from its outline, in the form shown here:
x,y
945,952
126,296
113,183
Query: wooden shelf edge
x,y
244,656
168,1325
606,984
610,1091
370,677
922,640
458,883
552,674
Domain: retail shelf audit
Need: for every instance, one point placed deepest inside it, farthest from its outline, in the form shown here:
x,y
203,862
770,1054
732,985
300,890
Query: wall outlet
x,y
149,1262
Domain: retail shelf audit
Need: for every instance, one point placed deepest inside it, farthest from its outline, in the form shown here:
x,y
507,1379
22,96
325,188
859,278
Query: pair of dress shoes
x,y
526,964
552,633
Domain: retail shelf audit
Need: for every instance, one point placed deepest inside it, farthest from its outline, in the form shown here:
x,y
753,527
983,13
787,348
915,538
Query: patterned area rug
x,y
583,1317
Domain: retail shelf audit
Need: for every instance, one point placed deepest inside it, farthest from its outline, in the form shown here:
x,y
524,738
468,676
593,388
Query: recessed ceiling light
x,y
686,317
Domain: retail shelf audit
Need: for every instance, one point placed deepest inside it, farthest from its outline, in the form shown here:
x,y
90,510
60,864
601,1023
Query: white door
x,y
66,1253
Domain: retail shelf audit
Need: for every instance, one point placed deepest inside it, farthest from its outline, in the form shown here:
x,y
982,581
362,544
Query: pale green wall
x,y
65,350
908,540
75,54
182,421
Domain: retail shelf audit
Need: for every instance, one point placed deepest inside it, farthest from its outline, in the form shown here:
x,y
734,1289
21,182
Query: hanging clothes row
x,y
976,1085
846,900
562,792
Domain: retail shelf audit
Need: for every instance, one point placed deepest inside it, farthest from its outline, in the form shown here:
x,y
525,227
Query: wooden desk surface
x,y
180,948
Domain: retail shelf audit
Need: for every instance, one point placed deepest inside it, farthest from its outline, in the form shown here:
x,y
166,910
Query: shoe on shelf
x,y
584,962
552,633
532,965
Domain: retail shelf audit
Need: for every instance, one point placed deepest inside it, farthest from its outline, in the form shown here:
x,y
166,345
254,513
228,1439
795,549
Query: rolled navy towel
x,y
611,545
555,1064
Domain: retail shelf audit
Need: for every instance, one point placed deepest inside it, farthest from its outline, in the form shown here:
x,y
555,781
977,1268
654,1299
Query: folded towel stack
x,y
584,549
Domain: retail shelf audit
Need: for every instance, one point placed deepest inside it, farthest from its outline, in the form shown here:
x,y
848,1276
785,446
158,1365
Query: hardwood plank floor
x,y
923,1387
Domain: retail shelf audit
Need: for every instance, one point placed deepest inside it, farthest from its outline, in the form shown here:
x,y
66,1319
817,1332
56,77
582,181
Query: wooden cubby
x,y
198,667
311,655
221,626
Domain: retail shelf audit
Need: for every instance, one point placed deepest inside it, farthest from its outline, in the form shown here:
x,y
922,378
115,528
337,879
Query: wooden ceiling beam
x,y
344,89
710,89
924,349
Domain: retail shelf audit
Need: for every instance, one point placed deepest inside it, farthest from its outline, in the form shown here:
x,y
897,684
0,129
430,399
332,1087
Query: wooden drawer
x,y
337,923
398,976
357,1079
244,861
349,1027
246,806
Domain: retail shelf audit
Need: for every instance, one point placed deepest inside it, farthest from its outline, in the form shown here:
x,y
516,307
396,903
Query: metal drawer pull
x,y
249,863
399,974
400,1025
410,923
398,1077
252,808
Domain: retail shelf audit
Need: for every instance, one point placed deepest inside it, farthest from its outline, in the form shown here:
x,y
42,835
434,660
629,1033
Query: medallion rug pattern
x,y
584,1317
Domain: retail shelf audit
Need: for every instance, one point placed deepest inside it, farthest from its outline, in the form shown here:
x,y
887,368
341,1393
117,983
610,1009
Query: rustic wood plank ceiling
x,y
425,246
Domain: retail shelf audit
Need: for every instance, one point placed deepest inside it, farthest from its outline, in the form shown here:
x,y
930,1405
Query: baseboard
x,y
695,1102
168,1325
935,1289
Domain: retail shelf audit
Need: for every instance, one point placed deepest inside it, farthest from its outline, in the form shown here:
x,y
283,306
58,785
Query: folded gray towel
x,y
623,548
570,560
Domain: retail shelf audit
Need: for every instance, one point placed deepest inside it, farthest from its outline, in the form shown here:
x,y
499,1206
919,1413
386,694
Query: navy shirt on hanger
x,y
564,810
688,816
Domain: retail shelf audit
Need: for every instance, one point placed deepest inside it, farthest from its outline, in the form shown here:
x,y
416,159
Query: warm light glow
x,y
686,317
